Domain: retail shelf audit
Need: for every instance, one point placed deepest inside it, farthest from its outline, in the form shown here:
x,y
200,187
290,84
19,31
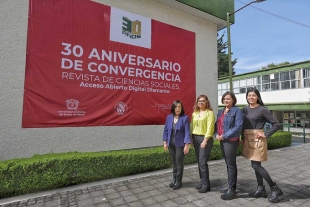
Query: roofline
x,y
267,71
195,12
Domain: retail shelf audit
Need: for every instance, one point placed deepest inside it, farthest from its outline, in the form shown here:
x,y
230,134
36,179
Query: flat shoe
x,y
198,186
204,189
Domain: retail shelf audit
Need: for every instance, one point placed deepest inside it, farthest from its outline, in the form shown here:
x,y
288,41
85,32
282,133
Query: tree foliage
x,y
272,65
222,58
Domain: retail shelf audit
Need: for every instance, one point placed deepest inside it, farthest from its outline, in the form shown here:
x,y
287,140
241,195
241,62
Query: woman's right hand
x,y
165,146
218,137
186,149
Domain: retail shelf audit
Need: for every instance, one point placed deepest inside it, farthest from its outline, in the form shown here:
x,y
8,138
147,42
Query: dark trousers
x,y
229,150
177,157
203,155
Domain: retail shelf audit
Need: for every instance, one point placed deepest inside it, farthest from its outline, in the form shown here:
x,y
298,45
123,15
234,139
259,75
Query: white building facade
x,y
285,90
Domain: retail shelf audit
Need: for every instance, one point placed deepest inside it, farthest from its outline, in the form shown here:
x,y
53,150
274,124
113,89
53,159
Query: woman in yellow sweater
x,y
202,130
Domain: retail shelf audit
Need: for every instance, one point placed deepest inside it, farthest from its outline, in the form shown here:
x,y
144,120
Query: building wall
x,y
278,97
17,142
288,97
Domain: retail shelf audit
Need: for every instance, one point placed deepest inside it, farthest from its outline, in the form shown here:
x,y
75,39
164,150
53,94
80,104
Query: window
x,y
257,87
236,90
242,90
224,86
295,74
306,76
249,81
302,119
285,76
219,93
242,83
285,80
295,84
257,80
236,84
307,83
295,78
266,79
275,86
266,87
285,85
306,72
296,119
274,77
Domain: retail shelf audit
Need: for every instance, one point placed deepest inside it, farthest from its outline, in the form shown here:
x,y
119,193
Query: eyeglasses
x,y
201,101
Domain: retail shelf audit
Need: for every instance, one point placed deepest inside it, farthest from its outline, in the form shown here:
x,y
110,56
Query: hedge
x,y
50,171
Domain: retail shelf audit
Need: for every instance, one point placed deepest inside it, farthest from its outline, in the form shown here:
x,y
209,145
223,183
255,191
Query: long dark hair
x,y
259,98
174,105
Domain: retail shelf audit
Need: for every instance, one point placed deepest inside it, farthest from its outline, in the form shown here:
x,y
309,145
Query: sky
x,y
259,38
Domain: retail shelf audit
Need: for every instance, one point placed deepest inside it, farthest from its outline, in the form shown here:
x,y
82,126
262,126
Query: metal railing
x,y
288,127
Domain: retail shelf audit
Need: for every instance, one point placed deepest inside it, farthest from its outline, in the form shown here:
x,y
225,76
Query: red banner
x,y
89,64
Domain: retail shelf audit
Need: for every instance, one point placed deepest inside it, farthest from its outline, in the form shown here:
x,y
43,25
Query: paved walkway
x,y
289,167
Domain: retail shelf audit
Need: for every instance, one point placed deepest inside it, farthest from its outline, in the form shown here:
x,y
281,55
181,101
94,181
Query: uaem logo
x,y
120,108
131,29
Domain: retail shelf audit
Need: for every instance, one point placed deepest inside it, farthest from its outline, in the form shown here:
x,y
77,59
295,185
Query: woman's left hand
x,y
203,144
259,135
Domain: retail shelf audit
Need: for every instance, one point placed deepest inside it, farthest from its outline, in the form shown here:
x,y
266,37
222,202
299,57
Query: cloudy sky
x,y
272,31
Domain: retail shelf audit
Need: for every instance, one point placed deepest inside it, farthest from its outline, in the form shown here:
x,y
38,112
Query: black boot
x,y
230,194
199,186
174,175
204,188
224,190
260,192
179,176
173,181
177,185
205,182
275,194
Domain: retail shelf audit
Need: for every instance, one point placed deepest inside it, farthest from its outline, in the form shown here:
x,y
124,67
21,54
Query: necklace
x,y
226,111
254,106
199,116
175,119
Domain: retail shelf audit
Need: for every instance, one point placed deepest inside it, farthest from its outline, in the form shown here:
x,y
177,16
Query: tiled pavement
x,y
289,167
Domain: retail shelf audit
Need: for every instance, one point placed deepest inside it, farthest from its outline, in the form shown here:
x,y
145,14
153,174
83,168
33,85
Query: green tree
x,y
222,58
272,65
